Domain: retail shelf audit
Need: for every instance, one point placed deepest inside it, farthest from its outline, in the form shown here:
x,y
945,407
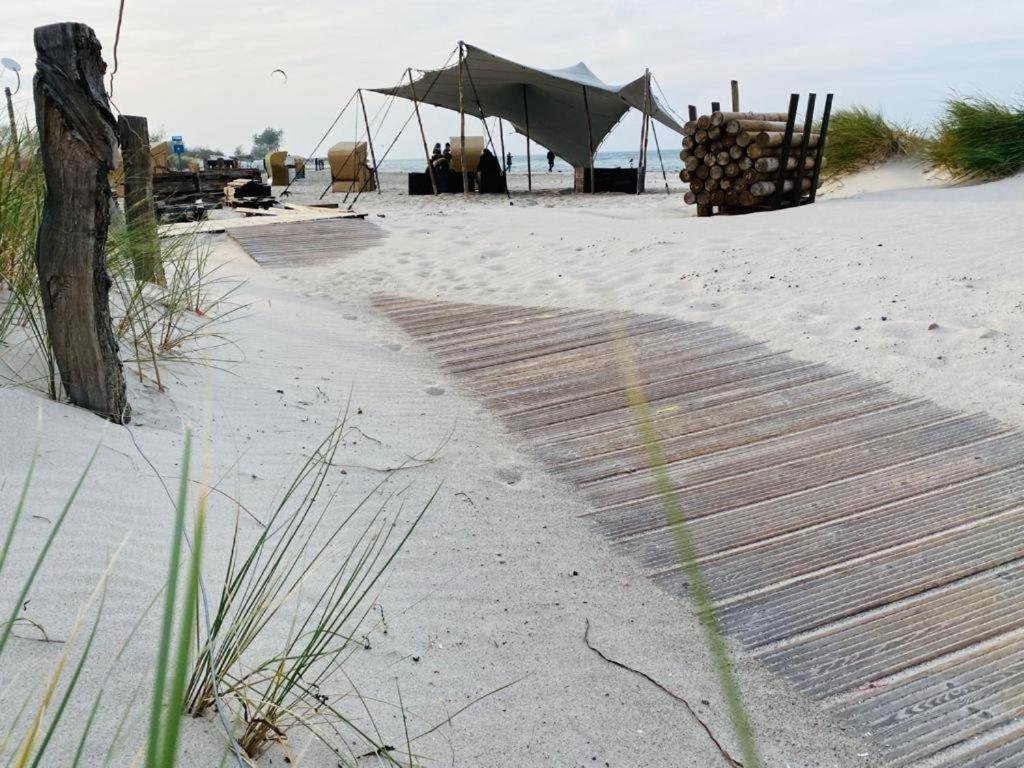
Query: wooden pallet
x,y
867,545
304,243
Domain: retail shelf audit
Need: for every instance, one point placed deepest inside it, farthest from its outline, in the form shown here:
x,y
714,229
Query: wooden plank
x,y
744,526
968,697
866,545
860,586
630,506
855,656
307,242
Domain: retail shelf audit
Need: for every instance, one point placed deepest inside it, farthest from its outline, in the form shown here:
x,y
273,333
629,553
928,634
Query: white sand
x,y
484,594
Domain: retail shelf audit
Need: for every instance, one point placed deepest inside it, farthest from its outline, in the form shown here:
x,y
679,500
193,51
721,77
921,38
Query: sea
x,y
539,163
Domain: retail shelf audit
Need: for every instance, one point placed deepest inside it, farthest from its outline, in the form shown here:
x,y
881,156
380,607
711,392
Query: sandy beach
x,y
891,276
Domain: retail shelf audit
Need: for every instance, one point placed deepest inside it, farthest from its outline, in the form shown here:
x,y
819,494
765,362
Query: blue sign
x,y
177,145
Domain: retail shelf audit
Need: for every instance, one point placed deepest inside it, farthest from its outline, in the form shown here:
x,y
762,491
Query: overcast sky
x,y
201,68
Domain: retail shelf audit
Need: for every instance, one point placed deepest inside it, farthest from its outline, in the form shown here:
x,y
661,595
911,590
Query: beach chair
x,y
474,148
349,171
161,157
277,168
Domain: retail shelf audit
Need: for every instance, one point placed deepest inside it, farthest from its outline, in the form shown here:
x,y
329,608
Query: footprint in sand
x,y
509,474
393,346
435,390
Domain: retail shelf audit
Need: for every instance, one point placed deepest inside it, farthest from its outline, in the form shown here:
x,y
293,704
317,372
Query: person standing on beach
x,y
508,163
551,161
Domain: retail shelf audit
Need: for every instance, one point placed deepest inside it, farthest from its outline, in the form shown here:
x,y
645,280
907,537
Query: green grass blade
x,y
18,509
180,667
73,682
154,742
87,729
687,551
5,629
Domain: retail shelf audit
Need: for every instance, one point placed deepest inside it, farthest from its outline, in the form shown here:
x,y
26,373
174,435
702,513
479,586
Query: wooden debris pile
x,y
746,161
246,193
187,195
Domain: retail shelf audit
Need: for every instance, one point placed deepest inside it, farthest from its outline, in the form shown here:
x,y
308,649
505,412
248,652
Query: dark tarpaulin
x,y
496,87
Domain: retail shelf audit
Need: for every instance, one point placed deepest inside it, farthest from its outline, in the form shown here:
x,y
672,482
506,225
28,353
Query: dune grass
x,y
180,320
32,740
270,694
979,139
860,138
171,670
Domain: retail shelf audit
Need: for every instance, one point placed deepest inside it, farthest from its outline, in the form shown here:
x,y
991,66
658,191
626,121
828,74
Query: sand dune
x,y
892,275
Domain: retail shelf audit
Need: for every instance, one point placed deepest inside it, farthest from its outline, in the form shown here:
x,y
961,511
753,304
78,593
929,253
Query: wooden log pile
x,y
732,159
187,195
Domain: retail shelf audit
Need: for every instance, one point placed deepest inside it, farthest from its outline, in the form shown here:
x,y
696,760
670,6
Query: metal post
x,y
805,139
787,139
423,135
820,154
590,138
702,210
526,113
462,127
369,140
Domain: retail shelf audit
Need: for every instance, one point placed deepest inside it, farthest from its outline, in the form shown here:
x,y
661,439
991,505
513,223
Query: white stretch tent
x,y
566,110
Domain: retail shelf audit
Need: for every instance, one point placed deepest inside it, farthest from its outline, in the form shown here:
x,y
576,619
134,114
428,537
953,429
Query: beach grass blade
x,y
687,553
5,629
172,663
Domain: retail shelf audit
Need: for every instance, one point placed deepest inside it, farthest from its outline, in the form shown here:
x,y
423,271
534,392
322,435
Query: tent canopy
x,y
552,103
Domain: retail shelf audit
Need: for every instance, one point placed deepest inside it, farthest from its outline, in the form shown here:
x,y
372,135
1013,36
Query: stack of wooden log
x,y
732,159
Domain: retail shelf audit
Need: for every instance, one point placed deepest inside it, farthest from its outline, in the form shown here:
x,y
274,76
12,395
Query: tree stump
x,y
77,140
133,131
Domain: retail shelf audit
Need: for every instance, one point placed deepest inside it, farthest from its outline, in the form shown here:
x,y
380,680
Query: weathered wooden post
x,y
14,126
133,131
77,140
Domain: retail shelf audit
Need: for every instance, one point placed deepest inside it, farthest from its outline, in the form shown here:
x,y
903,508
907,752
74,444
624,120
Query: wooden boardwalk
x,y
297,244
866,545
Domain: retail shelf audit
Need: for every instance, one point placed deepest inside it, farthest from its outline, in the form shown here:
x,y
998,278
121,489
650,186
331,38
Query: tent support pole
x,y
504,167
487,130
369,140
590,139
462,124
643,133
642,171
423,135
529,170
657,146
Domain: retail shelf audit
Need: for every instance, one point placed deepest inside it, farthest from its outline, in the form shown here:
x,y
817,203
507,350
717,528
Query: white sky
x,y
201,68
